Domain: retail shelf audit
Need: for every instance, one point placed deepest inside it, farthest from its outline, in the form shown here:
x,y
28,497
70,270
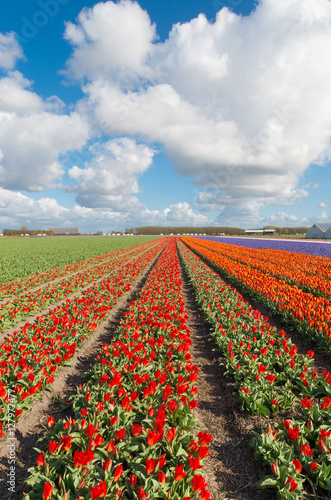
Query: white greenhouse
x,y
319,230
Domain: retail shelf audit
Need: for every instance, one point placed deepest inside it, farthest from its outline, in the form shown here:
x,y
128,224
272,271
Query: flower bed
x,y
309,314
312,274
23,306
315,248
269,372
297,452
21,285
270,376
134,434
30,358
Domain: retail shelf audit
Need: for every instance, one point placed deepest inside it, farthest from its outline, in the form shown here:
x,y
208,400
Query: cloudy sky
x,y
121,114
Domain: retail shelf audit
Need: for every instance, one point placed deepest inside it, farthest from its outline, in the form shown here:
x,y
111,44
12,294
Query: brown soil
x,y
31,427
231,471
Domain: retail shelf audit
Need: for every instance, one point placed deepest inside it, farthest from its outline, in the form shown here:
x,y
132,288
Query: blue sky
x,y
120,114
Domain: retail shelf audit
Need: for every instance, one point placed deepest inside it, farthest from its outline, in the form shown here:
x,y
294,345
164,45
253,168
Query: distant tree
x,y
155,230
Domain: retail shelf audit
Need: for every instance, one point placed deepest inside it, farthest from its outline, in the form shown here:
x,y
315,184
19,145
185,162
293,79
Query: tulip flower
x,y
47,491
118,473
179,472
99,491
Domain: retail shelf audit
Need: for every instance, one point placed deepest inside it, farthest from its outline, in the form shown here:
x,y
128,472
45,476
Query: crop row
x,y
316,248
309,314
133,435
270,376
20,307
305,271
30,358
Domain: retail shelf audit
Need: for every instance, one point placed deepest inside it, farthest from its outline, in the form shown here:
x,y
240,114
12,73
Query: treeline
x,y
30,232
153,230
210,230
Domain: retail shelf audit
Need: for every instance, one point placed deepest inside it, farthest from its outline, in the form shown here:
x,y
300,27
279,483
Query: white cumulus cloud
x,y
111,178
249,93
17,209
110,40
30,146
10,51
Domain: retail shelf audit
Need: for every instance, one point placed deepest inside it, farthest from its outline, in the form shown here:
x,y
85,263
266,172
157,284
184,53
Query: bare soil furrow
x,y
231,471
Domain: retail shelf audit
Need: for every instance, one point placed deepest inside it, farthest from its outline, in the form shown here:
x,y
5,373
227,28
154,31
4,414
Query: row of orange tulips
x,y
311,273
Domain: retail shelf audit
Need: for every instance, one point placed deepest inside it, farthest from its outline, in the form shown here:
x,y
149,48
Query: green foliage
x,y
23,256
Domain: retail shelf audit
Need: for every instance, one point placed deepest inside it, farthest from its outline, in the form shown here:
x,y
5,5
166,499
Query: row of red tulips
x,y
270,376
35,301
287,266
29,359
133,435
308,313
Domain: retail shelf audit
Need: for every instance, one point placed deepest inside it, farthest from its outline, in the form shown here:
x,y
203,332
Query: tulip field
x,y
131,428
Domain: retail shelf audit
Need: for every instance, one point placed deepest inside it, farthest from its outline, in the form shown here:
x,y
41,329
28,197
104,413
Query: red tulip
x,y
47,491
150,465
198,482
171,434
293,433
118,473
153,437
204,438
179,473
136,430
50,422
82,458
99,491
297,465
293,484
40,459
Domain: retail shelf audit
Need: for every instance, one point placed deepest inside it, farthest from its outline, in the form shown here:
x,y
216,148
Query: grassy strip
x,y
21,257
18,286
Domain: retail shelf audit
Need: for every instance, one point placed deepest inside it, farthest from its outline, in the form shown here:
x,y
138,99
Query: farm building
x,y
319,230
260,231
